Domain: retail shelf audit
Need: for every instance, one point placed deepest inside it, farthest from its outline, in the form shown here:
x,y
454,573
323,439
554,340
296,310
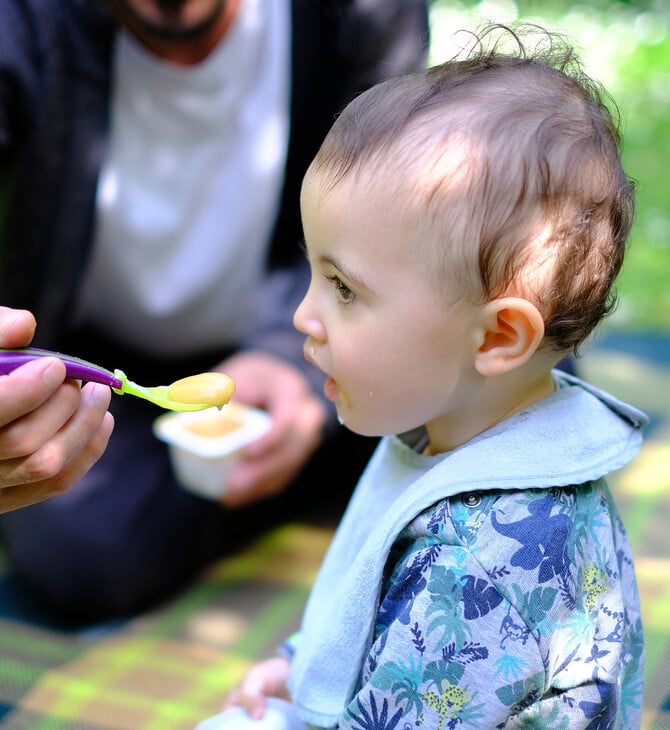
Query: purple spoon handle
x,y
75,368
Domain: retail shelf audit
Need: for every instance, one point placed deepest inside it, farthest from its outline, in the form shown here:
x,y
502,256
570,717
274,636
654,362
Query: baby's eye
x,y
344,293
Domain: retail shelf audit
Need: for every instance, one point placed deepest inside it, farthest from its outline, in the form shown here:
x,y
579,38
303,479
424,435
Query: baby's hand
x,y
266,679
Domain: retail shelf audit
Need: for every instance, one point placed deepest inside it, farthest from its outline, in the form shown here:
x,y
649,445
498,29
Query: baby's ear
x,y
511,330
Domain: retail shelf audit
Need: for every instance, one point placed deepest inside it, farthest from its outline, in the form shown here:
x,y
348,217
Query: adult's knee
x,y
80,572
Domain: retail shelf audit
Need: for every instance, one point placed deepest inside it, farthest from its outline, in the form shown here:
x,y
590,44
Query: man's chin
x,y
172,31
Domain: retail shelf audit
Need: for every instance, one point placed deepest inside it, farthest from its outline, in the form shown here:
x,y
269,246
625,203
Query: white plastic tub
x,y
204,444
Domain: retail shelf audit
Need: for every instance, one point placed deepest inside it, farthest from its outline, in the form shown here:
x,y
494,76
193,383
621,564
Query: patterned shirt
x,y
507,610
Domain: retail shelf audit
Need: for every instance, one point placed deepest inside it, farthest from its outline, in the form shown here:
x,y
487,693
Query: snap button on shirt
x,y
471,500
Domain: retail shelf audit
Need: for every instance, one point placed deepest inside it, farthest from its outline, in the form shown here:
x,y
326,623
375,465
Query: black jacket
x,y
55,66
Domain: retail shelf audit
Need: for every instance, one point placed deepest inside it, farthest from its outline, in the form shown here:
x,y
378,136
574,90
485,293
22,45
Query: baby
x,y
464,226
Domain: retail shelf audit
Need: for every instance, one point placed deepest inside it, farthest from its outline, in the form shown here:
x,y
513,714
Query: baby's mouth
x,y
331,388
308,353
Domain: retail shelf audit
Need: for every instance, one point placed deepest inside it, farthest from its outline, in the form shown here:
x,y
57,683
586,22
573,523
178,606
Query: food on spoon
x,y
215,389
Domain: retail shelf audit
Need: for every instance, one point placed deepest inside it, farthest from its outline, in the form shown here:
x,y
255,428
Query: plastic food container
x,y
205,444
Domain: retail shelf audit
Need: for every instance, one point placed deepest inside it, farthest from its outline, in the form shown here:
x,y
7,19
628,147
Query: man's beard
x,y
165,30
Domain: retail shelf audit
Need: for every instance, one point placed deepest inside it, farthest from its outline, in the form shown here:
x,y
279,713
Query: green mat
x,y
169,669
166,670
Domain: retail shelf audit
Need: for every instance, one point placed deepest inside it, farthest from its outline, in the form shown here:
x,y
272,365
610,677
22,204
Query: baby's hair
x,y
514,157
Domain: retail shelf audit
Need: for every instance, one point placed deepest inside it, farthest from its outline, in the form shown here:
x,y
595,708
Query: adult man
x,y
150,162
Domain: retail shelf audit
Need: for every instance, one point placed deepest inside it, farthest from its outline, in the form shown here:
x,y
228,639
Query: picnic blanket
x,y
165,670
170,668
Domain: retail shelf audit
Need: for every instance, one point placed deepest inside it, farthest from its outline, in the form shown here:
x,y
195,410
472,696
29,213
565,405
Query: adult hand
x,y
265,679
298,416
51,430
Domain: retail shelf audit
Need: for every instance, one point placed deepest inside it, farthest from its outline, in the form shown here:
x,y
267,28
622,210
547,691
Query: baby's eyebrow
x,y
347,273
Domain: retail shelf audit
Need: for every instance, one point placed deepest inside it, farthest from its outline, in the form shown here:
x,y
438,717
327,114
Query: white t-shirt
x,y
190,188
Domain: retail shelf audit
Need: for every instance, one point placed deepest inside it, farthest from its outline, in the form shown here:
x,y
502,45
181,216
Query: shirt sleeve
x,y
446,641
384,38
18,76
289,646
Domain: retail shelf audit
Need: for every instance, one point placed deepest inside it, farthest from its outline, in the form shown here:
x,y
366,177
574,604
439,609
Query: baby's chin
x,y
349,421
350,424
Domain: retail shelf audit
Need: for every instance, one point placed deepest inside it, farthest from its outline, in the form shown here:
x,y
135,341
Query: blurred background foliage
x,y
625,46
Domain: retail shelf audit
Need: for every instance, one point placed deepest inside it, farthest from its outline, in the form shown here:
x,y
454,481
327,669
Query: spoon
x,y
194,393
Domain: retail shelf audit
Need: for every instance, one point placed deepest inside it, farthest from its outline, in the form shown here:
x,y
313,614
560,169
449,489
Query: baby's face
x,y
396,354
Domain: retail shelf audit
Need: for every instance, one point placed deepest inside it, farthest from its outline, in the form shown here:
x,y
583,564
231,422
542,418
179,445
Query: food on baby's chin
x,y
215,389
214,425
